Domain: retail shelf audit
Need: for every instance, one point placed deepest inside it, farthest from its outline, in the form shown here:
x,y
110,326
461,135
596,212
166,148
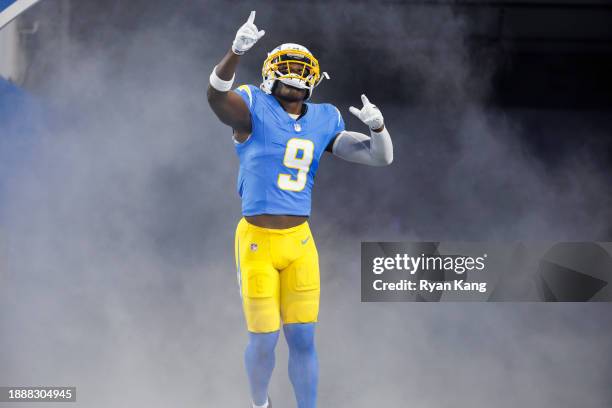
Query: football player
x,y
279,138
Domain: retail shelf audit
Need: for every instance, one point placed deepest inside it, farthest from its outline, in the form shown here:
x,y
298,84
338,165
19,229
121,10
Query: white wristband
x,y
220,84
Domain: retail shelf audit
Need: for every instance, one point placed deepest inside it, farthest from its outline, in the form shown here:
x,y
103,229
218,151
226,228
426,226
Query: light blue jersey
x,y
279,160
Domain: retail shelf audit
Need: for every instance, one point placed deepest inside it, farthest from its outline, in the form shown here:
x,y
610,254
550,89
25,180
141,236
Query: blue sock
x,y
259,360
303,363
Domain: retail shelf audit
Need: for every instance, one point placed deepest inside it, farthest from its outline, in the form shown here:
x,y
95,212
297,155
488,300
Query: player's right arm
x,y
229,107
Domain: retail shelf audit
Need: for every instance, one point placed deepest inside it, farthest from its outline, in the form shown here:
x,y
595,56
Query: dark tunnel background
x,y
542,67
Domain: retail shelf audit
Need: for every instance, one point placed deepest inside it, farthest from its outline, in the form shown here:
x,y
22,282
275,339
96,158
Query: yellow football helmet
x,y
293,65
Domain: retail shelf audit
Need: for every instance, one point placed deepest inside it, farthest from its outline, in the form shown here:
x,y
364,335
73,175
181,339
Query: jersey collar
x,y
283,112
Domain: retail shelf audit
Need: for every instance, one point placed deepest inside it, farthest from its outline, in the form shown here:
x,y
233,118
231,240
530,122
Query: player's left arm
x,y
373,150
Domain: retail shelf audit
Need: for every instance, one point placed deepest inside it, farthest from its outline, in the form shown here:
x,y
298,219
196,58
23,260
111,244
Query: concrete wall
x,y
11,56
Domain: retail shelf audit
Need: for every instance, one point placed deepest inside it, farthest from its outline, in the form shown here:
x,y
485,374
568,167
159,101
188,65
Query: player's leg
x,y
260,291
300,292
303,363
259,360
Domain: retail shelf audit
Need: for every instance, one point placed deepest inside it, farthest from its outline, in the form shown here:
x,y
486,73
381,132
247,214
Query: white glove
x,y
246,36
369,114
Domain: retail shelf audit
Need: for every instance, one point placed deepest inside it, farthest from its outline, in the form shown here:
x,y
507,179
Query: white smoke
x,y
120,274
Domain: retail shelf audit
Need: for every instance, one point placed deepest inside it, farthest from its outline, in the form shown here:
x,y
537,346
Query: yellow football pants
x,y
278,272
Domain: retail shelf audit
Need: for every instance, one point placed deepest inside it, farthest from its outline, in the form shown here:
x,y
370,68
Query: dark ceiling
x,y
534,54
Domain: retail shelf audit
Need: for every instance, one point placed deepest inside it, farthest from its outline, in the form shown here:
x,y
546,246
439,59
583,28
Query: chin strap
x,y
324,75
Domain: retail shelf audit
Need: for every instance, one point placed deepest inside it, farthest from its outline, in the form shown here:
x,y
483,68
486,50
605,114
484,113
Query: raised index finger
x,y
251,17
364,100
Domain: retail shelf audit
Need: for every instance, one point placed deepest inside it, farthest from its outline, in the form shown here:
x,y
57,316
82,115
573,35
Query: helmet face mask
x,y
293,65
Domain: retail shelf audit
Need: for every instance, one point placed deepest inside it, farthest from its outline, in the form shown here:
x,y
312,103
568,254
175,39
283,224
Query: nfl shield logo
x,y
297,127
253,247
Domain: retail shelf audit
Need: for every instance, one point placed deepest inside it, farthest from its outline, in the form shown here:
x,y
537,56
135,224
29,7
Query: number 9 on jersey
x,y
298,155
